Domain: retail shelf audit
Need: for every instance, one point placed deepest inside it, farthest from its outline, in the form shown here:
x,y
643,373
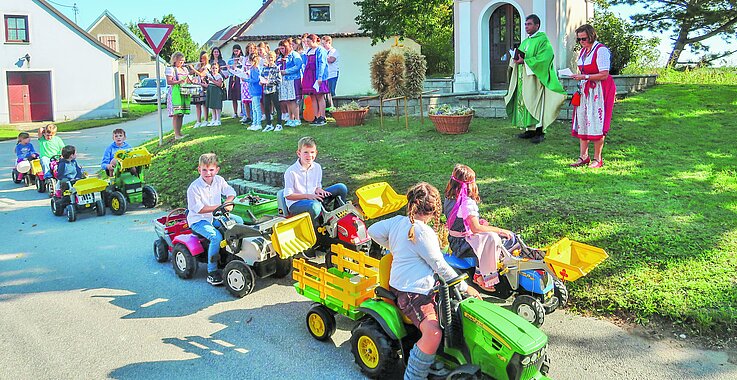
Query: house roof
x,y
273,37
248,23
80,31
125,29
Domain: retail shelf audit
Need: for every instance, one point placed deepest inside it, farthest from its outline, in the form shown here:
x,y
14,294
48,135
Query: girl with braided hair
x,y
465,229
417,256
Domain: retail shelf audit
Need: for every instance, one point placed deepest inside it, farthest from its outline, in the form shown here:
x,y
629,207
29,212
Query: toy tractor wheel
x,y
530,309
150,197
320,322
372,349
118,204
561,292
40,185
184,263
27,180
160,252
50,189
239,278
71,213
15,177
56,207
283,267
100,207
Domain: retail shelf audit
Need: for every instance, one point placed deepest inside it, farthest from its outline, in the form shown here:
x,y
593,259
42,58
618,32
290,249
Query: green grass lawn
x,y
9,132
664,206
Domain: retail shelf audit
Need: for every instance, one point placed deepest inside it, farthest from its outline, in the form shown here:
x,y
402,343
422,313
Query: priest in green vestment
x,y
535,94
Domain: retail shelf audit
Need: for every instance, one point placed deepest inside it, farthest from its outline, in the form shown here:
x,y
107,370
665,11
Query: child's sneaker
x,y
268,128
255,127
211,123
243,119
278,128
217,123
320,121
196,125
214,278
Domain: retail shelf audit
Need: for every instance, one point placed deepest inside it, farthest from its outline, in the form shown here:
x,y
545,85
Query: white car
x,y
145,92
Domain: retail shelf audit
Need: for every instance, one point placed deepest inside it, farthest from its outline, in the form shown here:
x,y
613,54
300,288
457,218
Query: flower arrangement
x,y
352,106
448,110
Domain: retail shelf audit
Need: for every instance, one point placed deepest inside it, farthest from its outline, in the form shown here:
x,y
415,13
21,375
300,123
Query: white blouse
x,y
603,58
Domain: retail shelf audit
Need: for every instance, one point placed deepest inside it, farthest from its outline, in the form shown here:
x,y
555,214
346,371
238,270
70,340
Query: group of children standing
x,y
265,84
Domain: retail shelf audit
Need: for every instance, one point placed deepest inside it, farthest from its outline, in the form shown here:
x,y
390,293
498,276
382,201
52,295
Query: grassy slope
x,y
664,206
9,132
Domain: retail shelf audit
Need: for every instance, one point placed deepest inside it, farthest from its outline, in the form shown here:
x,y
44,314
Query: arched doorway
x,y
505,29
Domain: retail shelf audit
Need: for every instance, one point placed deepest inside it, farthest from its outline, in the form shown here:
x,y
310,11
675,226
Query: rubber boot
x,y
418,365
539,136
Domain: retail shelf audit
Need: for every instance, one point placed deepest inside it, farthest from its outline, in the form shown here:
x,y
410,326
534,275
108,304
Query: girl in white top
x,y
417,256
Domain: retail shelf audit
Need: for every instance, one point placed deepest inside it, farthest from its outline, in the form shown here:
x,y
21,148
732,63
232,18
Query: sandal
x,y
478,279
580,162
596,163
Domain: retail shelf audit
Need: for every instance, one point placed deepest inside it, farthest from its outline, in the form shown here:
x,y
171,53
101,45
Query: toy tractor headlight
x,y
526,361
534,357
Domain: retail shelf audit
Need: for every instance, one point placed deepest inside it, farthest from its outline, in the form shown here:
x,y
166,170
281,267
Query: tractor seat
x,y
382,291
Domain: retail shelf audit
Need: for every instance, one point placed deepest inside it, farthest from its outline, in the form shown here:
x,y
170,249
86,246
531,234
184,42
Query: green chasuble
x,y
537,98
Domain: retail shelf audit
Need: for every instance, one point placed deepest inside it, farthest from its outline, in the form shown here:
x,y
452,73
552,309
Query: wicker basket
x,y
350,118
451,124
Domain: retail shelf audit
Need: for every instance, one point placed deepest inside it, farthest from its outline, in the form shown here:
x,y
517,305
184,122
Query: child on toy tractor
x,y
417,257
76,192
108,158
203,197
303,184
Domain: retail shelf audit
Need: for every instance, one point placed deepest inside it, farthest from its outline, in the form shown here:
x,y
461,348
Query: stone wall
x,y
491,104
442,85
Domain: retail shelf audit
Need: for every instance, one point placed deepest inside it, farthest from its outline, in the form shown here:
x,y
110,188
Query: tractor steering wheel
x,y
222,211
453,284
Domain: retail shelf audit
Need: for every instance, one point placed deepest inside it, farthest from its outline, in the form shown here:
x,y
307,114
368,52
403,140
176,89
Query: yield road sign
x,y
156,34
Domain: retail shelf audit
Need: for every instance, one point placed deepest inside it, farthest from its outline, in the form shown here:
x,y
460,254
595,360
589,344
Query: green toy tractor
x,y
127,185
481,340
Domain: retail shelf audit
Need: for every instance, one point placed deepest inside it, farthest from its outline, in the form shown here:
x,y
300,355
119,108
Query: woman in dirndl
x,y
592,117
315,79
176,103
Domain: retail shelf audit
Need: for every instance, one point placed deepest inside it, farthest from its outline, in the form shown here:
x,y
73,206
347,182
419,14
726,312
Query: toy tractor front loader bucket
x,y
90,185
379,199
294,235
130,158
571,260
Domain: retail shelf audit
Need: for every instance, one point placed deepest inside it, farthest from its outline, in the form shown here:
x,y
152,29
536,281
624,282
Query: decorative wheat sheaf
x,y
394,74
414,75
377,72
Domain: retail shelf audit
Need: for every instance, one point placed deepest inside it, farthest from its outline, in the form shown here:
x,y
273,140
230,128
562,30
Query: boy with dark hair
x,y
69,170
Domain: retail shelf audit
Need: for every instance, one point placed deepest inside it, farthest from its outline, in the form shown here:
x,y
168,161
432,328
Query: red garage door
x,y
29,96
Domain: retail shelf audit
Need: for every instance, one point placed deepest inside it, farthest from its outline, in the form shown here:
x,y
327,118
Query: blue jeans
x,y
211,233
256,109
314,208
45,162
332,82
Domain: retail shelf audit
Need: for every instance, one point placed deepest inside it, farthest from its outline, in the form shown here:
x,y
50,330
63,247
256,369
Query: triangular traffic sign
x,y
156,35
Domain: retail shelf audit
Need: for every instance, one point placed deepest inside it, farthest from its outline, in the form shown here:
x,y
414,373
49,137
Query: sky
x,y
204,21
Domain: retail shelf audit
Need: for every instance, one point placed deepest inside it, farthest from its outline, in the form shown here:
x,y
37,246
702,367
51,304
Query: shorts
x,y
416,306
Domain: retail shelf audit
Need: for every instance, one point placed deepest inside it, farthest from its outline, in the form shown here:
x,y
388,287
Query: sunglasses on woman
x,y
582,39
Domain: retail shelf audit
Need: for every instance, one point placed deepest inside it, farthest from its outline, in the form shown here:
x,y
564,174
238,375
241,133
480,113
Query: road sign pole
x,y
158,101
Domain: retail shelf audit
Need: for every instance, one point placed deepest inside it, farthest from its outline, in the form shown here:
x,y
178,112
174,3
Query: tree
x,y
619,36
428,22
179,39
690,22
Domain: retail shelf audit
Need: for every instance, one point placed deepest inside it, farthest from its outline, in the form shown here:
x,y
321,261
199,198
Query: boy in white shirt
x,y
203,197
303,190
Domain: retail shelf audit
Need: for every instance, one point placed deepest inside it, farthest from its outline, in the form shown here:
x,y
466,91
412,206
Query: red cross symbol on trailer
x,y
563,274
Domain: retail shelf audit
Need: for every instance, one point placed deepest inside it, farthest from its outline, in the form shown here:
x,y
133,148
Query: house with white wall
x,y
138,61
485,30
51,69
279,19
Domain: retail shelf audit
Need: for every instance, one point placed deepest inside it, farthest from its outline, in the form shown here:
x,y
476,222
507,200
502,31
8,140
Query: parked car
x,y
145,92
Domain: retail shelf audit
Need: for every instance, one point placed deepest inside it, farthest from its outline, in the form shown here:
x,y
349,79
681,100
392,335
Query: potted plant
x,y
350,114
451,120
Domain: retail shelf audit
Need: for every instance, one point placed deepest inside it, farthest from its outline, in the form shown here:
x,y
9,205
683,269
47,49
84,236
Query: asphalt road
x,y
87,300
